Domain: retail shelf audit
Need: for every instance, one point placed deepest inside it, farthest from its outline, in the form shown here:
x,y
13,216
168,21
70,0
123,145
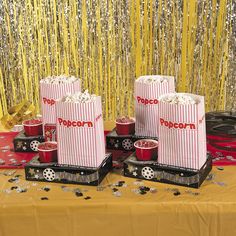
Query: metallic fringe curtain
x,y
109,43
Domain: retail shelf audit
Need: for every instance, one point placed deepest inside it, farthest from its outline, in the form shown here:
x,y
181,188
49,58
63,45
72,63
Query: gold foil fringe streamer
x,y
110,43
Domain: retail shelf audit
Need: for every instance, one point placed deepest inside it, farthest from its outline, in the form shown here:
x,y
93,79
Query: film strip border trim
x,y
52,175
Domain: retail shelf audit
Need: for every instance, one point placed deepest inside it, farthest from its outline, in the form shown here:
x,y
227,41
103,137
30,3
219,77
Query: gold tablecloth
x,y
210,213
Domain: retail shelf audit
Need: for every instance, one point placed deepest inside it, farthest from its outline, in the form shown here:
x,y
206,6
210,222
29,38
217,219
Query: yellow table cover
x,y
212,212
208,211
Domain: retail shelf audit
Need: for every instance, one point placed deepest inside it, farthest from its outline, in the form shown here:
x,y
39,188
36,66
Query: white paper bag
x,y
146,103
80,133
49,93
182,133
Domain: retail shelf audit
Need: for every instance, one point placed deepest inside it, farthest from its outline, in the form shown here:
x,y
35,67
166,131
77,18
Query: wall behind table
x,y
109,43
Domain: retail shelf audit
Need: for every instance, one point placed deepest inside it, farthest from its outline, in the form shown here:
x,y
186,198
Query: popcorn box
x,y
80,133
146,102
182,133
50,132
50,92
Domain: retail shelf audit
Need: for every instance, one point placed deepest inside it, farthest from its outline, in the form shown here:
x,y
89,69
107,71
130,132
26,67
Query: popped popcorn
x,y
80,97
125,119
178,98
151,79
61,79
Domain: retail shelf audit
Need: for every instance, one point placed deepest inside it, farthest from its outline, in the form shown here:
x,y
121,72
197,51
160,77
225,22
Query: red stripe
x,y
55,91
182,147
147,115
81,146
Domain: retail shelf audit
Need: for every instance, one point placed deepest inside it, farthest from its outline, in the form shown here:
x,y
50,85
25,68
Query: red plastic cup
x,y
47,152
33,127
125,126
146,149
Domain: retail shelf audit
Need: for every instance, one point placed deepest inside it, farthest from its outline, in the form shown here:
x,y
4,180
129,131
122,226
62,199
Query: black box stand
x,y
67,174
153,171
123,142
23,143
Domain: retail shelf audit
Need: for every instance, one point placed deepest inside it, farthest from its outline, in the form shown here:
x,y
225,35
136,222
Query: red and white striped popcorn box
x,y
80,133
182,133
146,103
50,92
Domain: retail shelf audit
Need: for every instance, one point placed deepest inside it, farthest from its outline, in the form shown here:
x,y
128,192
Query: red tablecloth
x,y
12,159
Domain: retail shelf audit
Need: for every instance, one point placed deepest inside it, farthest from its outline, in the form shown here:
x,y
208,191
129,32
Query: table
x,y
210,210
